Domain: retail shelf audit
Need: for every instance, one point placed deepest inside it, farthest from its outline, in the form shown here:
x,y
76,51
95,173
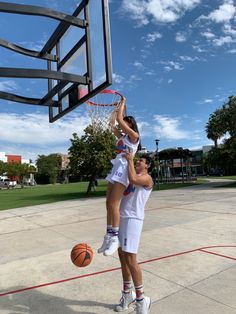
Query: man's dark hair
x,y
149,161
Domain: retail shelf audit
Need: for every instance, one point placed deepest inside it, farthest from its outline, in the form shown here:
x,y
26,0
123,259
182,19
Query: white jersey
x,y
124,145
119,172
134,201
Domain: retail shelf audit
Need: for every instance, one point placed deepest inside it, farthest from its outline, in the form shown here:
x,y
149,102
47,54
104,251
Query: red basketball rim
x,y
106,92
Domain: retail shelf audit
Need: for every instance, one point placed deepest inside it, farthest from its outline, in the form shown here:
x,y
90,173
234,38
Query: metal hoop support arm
x,y
46,74
41,11
27,52
26,100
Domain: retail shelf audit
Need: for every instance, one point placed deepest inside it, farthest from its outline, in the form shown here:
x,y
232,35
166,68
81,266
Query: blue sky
x,y
173,60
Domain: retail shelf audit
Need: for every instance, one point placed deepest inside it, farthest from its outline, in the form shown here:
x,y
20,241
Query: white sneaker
x,y
143,307
126,301
105,243
113,246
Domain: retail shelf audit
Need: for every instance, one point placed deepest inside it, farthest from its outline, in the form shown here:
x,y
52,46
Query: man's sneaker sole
x,y
124,310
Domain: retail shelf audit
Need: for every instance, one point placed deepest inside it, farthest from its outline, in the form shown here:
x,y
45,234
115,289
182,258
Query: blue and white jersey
x,y
134,201
124,145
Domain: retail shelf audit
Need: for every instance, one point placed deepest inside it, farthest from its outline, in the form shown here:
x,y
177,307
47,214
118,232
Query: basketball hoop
x,y
101,107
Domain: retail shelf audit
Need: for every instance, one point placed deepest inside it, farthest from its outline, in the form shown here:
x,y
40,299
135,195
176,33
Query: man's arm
x,y
142,180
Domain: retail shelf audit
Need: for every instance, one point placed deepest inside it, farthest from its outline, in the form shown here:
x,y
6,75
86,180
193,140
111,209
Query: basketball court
x,y
187,254
188,248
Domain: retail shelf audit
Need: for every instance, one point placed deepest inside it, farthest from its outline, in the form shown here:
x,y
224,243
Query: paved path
x,y
188,250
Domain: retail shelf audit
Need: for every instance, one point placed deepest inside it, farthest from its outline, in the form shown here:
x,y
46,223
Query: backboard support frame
x,y
61,84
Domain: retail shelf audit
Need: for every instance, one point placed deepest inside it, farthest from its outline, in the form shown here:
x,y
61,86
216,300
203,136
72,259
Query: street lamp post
x,y
158,181
181,162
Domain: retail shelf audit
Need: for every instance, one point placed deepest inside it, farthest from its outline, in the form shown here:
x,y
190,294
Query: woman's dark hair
x,y
134,127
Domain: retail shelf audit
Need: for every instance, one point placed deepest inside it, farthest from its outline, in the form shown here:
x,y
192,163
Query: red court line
x,y
217,254
113,269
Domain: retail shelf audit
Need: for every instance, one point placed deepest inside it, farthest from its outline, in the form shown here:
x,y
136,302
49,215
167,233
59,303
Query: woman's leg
x,y
113,208
108,234
109,214
114,195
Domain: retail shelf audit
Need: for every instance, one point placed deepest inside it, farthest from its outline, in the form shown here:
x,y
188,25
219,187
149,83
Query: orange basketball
x,y
81,255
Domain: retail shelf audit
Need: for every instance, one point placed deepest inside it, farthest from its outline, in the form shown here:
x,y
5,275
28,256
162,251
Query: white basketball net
x,y
100,109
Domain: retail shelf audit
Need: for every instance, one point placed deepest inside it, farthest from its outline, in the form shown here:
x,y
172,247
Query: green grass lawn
x,y
230,185
224,177
43,194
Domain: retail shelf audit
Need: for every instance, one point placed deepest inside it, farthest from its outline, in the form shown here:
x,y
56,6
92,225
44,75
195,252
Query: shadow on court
x,y
36,302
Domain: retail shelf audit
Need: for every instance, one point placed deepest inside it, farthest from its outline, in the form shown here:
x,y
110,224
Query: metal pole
x,y
158,178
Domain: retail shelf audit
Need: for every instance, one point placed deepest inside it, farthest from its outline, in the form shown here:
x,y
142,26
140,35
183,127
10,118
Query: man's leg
x,y
143,303
128,296
136,273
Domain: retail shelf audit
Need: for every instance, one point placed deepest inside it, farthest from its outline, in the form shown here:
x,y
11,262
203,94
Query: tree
x,y
221,123
2,167
50,166
18,171
90,154
216,127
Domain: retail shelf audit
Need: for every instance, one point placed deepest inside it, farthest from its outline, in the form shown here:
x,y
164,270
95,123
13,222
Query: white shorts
x,y
119,173
129,234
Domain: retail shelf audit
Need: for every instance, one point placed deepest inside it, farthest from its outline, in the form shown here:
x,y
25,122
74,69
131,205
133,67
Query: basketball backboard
x,y
76,56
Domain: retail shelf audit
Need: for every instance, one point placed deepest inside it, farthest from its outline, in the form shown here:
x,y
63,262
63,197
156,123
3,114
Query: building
x,y
7,158
3,157
13,158
187,166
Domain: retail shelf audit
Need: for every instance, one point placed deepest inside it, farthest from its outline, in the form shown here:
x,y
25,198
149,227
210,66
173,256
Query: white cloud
x,y
171,65
8,86
232,51
138,65
189,59
169,128
144,128
208,34
228,30
198,48
208,100
152,37
34,132
169,81
133,78
180,37
222,40
150,72
224,13
167,11
136,10
117,78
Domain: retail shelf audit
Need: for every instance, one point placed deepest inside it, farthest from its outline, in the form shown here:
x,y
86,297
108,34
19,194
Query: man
x,y
131,223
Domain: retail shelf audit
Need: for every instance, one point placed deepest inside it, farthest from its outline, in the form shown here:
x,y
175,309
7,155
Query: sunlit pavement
x,y
187,253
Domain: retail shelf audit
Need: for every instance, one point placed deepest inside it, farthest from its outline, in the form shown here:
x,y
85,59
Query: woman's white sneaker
x,y
113,246
105,243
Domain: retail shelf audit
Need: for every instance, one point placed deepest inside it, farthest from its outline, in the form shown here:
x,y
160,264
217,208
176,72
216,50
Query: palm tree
x,y
215,127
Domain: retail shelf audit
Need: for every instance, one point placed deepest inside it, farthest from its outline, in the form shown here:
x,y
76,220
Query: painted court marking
x,y
202,249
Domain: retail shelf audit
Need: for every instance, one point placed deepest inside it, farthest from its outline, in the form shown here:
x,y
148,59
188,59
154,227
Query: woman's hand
x,y
121,108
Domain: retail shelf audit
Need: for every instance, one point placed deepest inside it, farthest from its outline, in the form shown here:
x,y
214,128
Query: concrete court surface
x,y
188,250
